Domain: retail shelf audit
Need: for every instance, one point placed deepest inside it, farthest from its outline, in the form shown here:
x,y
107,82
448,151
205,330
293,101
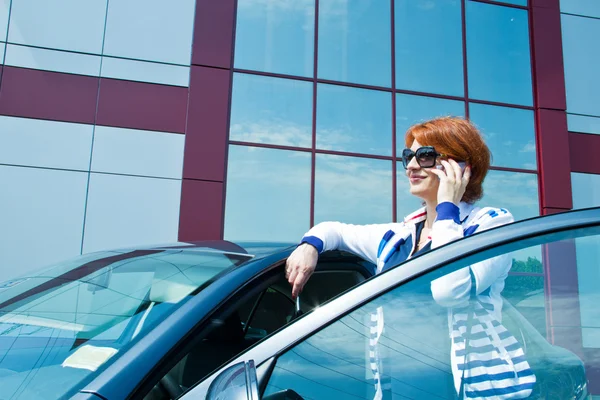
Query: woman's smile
x,y
416,179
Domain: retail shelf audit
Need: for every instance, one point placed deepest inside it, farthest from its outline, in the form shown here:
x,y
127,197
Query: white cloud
x,y
529,147
510,190
426,4
281,133
353,190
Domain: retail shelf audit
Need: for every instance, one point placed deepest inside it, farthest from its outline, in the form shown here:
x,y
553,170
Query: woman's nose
x,y
413,164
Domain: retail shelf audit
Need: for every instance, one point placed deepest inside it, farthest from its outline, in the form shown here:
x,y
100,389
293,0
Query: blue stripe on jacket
x,y
498,377
486,349
490,363
501,391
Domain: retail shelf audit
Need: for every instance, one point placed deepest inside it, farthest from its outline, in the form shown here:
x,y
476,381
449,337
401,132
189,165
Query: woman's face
x,y
423,183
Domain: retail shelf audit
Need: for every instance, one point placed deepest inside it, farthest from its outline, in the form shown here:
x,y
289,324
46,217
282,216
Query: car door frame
x,y
265,353
133,373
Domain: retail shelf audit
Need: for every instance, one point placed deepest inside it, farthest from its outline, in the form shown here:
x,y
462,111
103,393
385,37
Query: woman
x,y
446,161
434,158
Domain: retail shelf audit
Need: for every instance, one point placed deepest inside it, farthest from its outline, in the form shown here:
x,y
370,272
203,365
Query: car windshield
x,y
60,327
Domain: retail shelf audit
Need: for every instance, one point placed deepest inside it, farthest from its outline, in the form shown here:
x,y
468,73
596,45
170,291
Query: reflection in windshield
x,y
58,329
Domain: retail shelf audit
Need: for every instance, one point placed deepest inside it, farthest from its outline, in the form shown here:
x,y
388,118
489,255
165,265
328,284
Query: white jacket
x,y
387,245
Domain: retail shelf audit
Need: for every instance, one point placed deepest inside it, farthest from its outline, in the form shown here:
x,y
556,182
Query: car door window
x,y
253,318
406,343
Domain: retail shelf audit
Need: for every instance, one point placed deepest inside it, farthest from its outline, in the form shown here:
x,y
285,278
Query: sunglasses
x,y
426,156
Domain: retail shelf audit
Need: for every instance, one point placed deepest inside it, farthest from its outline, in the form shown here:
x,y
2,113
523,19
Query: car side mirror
x,y
237,382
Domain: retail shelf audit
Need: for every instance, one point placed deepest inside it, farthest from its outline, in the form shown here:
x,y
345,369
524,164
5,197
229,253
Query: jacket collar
x,y
421,214
465,211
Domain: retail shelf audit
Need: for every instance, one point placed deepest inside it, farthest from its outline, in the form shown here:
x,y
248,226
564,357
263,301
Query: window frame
x,y
265,353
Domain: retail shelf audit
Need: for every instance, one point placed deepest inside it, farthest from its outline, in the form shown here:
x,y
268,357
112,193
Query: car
x,y
204,320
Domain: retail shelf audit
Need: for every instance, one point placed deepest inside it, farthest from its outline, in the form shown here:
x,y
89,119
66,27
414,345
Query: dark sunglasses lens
x,y
426,157
407,156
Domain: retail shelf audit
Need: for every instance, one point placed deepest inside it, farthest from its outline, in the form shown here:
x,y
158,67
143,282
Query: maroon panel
x,y
569,337
555,166
48,95
584,150
550,211
207,126
548,58
554,4
560,264
592,369
213,33
201,213
142,105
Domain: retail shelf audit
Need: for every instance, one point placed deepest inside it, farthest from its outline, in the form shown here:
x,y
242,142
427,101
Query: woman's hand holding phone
x,y
454,179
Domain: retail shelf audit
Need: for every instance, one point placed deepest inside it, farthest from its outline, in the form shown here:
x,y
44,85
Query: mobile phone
x,y
462,165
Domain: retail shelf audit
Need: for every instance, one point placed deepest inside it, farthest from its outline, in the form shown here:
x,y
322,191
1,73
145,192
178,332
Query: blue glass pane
x,y
49,144
276,36
45,221
355,41
406,203
268,194
586,190
509,133
517,192
588,8
432,60
411,110
52,60
354,120
4,6
137,152
353,190
583,124
498,55
59,24
124,211
144,71
150,30
271,110
580,38
2,49
515,2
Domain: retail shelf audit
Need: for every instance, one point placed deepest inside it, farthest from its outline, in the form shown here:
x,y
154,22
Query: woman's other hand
x,y
453,181
299,266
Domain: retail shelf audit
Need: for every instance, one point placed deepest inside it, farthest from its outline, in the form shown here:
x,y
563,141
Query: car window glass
x,y
274,310
75,319
411,342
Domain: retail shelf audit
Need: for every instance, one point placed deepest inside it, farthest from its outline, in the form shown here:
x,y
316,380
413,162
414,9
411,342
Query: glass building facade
x,y
322,95
126,123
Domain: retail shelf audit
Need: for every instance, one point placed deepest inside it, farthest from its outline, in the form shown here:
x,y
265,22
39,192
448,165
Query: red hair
x,y
460,140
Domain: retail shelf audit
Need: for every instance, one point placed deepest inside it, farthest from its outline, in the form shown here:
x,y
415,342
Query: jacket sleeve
x,y
454,289
362,240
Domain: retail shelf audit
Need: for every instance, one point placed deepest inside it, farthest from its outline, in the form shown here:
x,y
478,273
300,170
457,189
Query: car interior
x,y
255,315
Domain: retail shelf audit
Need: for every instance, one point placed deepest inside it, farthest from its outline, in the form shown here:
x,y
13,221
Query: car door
x,y
331,353
260,309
